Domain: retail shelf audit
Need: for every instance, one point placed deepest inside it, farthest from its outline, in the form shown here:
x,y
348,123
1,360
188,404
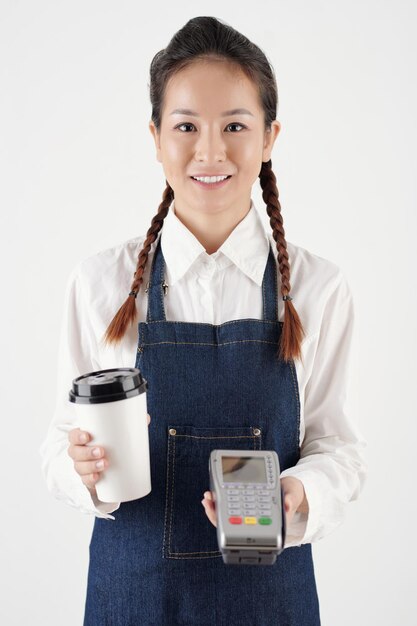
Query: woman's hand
x,y
294,500
294,497
85,457
210,507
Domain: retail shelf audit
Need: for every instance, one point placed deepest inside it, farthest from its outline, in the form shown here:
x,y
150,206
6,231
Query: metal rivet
x,y
172,431
256,431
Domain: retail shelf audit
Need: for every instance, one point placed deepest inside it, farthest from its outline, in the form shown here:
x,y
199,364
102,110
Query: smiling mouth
x,y
209,185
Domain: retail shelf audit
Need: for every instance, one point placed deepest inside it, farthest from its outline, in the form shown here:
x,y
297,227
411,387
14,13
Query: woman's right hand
x,y
85,459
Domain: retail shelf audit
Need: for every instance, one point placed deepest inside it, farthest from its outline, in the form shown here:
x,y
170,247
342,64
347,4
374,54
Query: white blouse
x,y
216,288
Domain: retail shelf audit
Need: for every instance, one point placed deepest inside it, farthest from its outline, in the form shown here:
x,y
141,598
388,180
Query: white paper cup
x,y
111,406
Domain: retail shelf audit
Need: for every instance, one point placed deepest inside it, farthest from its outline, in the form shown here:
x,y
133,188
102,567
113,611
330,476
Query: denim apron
x,y
209,386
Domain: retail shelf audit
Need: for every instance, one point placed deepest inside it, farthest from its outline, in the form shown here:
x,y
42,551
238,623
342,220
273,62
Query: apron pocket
x,y
188,533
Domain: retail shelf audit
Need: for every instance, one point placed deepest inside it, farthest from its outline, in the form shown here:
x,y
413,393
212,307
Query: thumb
x,y
288,502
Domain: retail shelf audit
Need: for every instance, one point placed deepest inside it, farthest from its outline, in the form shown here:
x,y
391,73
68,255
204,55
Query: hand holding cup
x,y
86,457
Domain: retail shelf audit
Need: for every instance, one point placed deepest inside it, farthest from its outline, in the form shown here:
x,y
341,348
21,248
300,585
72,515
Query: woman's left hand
x,y
294,499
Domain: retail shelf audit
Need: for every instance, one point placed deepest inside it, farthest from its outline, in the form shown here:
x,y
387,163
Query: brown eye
x,y
184,124
235,124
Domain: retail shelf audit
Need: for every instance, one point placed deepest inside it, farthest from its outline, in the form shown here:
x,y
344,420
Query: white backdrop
x,y
79,174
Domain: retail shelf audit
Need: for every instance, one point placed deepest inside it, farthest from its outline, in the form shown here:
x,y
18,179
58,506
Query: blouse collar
x,y
247,247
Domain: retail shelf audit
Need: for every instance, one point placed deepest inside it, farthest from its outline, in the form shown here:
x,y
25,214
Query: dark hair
x,y
209,38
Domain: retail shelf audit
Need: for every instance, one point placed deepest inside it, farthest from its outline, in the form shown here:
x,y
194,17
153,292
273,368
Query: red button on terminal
x,y
235,520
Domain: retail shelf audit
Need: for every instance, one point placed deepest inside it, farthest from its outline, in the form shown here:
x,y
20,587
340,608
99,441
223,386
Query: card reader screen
x,y
238,469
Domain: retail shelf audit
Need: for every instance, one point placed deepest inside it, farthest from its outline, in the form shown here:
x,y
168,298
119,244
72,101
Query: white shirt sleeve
x,y
331,467
76,356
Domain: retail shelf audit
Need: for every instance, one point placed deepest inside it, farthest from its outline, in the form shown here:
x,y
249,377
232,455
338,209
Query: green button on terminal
x,y
265,520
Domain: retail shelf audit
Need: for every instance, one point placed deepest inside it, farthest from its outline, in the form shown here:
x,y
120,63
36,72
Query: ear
x,y
157,140
270,136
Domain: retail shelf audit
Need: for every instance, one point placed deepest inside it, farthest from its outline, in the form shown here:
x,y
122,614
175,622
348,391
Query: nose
x,y
210,146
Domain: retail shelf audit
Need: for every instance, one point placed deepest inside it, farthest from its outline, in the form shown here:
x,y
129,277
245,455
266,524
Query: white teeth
x,y
209,179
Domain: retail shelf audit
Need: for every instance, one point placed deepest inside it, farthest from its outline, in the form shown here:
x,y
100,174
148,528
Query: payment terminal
x,y
249,505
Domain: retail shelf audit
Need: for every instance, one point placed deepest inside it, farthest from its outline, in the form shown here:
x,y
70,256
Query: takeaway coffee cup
x,y
110,404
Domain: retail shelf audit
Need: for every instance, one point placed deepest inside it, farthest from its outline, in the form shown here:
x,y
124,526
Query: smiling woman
x,y
231,367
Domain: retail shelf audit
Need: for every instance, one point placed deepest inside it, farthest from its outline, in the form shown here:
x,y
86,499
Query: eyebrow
x,y
224,114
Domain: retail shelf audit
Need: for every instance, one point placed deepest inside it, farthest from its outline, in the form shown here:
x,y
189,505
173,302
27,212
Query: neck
x,y
211,230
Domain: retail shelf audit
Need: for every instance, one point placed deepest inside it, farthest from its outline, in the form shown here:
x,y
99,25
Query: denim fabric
x,y
210,386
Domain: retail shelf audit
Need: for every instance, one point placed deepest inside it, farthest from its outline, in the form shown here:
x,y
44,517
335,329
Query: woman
x,y
230,361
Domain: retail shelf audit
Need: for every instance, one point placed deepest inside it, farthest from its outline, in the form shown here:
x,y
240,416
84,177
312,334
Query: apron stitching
x,y
166,496
293,374
276,290
161,293
230,322
294,381
172,497
196,557
207,343
254,437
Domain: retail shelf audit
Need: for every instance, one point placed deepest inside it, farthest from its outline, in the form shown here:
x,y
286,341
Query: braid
x,y
292,330
127,312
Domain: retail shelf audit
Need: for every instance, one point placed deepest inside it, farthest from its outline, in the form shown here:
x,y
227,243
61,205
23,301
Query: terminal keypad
x,y
253,502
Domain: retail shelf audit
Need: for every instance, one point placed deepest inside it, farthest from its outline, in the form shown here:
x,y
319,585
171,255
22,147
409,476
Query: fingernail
x,y
83,437
96,452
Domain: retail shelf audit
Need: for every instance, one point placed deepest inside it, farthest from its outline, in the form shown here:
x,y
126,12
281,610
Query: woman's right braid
x,y
127,312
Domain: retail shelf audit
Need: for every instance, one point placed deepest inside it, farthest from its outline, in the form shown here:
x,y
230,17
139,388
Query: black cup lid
x,y
108,385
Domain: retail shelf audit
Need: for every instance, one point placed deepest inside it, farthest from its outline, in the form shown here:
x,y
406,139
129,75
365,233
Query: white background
x,y
79,174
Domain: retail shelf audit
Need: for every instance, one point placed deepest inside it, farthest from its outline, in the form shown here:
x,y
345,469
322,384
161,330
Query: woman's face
x,y
200,136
